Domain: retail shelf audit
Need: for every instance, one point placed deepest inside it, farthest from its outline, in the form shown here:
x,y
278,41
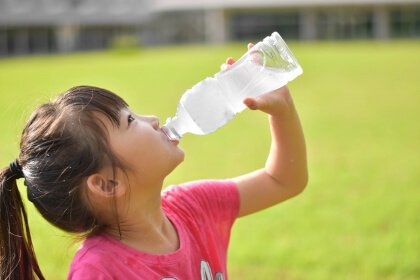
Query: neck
x,y
145,227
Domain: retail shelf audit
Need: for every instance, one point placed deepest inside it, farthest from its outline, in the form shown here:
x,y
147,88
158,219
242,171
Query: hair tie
x,y
16,169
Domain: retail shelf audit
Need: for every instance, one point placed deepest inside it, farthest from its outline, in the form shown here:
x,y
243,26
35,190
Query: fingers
x,y
230,61
225,66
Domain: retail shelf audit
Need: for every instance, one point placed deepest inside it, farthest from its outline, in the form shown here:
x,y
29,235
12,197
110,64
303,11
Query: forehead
x,y
109,123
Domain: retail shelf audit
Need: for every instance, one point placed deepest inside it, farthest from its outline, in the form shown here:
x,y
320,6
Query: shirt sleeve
x,y
218,198
215,201
88,272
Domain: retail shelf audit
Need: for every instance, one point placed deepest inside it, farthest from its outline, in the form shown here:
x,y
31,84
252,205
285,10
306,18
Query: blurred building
x,y
222,20
42,26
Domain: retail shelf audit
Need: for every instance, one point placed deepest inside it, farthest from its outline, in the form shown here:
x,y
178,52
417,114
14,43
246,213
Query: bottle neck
x,y
170,131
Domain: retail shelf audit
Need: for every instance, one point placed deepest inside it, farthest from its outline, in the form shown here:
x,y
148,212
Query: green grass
x,y
359,104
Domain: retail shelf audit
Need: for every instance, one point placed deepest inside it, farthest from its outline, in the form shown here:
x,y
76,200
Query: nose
x,y
154,121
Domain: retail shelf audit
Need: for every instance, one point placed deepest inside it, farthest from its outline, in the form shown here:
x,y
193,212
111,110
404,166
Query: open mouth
x,y
173,140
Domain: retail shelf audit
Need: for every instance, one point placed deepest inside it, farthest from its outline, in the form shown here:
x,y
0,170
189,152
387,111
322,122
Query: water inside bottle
x,y
213,102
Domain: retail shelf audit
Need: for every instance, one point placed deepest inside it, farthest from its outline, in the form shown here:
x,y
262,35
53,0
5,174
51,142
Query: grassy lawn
x,y
359,104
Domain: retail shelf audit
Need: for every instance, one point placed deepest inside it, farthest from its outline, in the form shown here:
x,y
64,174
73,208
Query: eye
x,y
130,119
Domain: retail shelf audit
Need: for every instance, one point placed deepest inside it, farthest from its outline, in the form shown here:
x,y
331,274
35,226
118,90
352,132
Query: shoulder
x,y
92,259
201,191
200,188
88,271
204,197
91,248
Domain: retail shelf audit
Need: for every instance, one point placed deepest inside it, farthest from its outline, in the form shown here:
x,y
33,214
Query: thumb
x,y
251,103
262,103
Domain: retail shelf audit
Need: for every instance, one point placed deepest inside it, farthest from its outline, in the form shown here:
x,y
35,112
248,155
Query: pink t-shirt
x,y
202,212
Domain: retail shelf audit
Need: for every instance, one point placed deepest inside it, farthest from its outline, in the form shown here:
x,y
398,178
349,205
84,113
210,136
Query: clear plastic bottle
x,y
214,101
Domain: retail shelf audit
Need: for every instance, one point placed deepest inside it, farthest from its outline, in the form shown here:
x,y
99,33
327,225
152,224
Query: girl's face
x,y
143,147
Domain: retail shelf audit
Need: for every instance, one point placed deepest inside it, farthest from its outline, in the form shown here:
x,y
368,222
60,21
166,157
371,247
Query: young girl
x,y
91,166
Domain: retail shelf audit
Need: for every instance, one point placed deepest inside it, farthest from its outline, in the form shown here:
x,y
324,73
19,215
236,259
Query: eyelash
x,y
130,119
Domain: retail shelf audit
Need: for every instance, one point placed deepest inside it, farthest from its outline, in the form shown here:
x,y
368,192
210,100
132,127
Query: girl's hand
x,y
276,103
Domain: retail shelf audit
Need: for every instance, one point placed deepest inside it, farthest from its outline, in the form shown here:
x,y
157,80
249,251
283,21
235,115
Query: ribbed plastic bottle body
x,y
213,102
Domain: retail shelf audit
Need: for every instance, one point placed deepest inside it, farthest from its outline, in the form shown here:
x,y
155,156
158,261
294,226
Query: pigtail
x,y
17,256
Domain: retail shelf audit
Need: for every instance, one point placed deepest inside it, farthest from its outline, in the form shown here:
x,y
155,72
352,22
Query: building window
x,y
405,23
177,27
345,24
257,25
25,40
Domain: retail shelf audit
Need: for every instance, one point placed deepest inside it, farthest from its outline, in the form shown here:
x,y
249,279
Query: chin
x,y
181,158
180,155
175,161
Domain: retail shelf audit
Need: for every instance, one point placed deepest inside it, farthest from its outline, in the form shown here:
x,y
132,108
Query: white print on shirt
x,y
206,273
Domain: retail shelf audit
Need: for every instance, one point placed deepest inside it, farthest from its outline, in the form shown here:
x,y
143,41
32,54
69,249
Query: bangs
x,y
93,99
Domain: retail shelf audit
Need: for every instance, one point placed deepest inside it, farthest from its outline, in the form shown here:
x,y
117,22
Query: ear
x,y
100,185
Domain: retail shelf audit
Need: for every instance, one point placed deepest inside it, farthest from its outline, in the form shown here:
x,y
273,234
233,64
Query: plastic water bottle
x,y
215,101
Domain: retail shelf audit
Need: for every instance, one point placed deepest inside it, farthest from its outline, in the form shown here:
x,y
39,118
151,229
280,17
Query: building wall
x,y
377,22
330,23
175,27
19,40
45,26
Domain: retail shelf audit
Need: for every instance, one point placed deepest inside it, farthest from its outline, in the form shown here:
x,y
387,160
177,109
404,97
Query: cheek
x,y
140,150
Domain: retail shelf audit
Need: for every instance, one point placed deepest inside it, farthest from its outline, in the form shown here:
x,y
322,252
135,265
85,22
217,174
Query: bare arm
x,y
285,172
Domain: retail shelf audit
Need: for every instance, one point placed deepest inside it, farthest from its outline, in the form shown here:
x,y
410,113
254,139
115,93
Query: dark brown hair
x,y
63,142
